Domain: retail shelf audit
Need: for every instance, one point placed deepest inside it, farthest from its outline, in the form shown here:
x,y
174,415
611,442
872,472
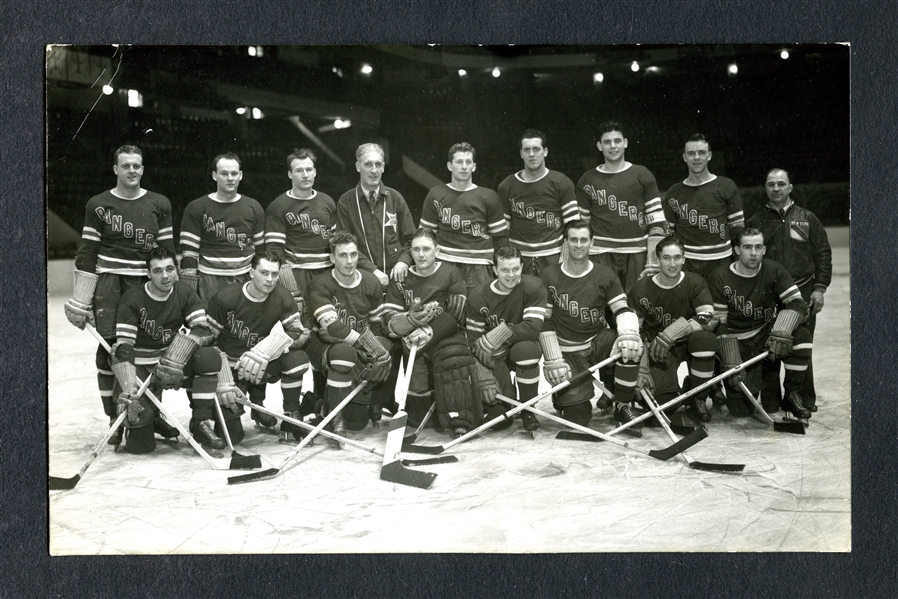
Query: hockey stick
x,y
216,463
795,428
694,464
685,395
392,470
510,413
64,484
345,440
250,462
427,416
272,472
659,454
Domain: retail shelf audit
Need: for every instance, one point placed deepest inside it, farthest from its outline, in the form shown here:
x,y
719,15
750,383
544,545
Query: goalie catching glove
x,y
779,342
628,342
378,357
486,346
555,369
252,364
78,308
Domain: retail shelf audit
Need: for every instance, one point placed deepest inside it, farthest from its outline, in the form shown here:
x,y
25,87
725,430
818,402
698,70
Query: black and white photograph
x,y
448,299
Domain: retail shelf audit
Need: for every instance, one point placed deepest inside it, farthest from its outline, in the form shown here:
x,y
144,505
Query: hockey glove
x,y
252,364
779,342
170,369
486,346
227,391
78,309
487,385
730,357
628,342
555,369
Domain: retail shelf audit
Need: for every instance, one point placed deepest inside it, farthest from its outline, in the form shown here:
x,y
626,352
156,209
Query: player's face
x,y
578,242
302,173
671,261
424,253
163,274
264,276
696,156
612,144
462,167
533,153
778,187
227,175
129,170
508,273
371,168
345,258
750,251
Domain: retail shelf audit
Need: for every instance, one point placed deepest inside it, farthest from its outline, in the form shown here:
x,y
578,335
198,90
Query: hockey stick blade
x,y
245,462
795,428
696,465
449,459
680,446
574,436
395,472
253,476
63,484
425,449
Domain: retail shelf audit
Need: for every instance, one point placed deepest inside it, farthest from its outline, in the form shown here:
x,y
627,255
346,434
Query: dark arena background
x,y
760,106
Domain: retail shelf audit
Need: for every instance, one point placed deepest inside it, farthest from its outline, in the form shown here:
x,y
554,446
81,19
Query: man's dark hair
x,y
226,156
126,149
159,252
576,224
270,256
743,232
669,241
506,252
533,134
697,137
609,126
462,147
301,154
341,238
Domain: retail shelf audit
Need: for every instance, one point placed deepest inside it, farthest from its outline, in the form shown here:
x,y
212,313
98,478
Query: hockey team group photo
x,y
442,299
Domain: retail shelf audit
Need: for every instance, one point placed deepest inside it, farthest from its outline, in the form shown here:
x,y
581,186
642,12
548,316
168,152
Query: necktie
x,y
372,199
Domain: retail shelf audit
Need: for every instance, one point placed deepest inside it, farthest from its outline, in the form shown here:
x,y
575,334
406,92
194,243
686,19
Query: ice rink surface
x,y
506,494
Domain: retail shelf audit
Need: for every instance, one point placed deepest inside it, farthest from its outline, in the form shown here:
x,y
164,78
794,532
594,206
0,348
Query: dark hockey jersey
x,y
620,208
298,229
469,224
578,303
149,324
523,309
358,305
444,281
659,306
537,210
118,233
222,236
701,216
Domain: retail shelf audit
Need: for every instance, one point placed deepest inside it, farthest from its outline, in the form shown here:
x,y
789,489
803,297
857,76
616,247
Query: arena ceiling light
x,y
135,98
241,110
107,90
634,66
733,69
366,69
257,114
598,77
462,72
342,124
784,54
496,72
256,51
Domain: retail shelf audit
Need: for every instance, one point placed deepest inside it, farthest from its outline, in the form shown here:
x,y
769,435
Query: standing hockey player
x,y
796,238
121,226
427,310
576,335
537,202
623,206
150,317
245,316
702,210
346,305
378,217
760,309
504,318
467,219
299,222
220,232
675,313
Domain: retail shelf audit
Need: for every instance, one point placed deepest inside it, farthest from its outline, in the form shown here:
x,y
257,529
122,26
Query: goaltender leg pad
x,y
454,375
139,440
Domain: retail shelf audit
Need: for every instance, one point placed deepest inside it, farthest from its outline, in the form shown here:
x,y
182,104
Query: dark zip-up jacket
x,y
385,234
796,239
